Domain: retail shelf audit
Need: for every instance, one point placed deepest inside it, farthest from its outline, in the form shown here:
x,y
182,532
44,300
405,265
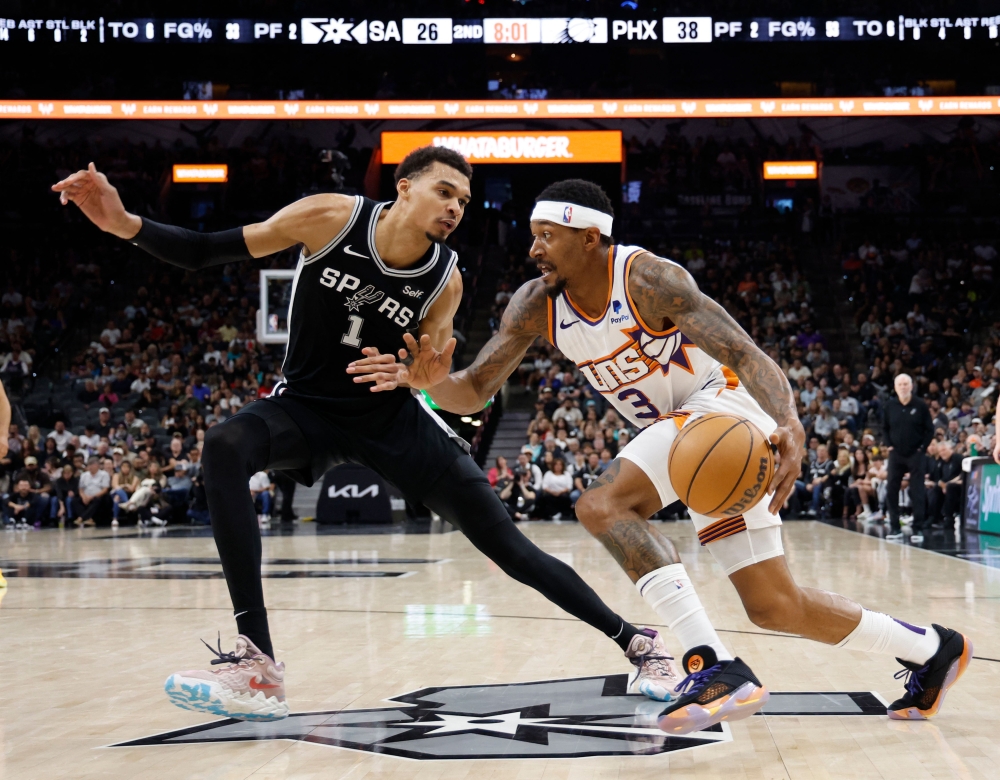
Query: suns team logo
x,y
638,357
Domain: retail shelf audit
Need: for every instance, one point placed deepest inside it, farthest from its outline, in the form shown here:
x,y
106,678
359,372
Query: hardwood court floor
x,y
89,635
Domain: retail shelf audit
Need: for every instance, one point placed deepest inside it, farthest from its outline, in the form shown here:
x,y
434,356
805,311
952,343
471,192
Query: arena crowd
x,y
148,365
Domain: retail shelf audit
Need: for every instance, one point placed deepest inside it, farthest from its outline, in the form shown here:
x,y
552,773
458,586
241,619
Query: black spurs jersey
x,y
344,297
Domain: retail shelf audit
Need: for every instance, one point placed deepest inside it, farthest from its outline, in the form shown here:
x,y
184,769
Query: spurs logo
x,y
589,716
360,298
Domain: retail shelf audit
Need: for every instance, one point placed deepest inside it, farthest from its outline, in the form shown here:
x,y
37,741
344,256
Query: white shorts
x,y
651,448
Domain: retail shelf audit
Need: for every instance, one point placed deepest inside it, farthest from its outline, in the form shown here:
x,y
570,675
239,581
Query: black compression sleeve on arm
x,y
190,249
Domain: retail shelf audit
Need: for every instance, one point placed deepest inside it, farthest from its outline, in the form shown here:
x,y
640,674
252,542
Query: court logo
x,y
587,716
590,716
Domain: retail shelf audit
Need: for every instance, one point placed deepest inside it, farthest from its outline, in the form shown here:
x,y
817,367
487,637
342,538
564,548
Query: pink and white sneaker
x,y
656,673
251,687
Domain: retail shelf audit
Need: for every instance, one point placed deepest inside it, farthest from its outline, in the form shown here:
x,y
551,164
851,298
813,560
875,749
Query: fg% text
x,y
802,28
187,30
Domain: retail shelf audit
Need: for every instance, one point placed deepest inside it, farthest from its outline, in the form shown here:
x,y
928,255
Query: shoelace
x,y
912,680
693,683
659,663
223,658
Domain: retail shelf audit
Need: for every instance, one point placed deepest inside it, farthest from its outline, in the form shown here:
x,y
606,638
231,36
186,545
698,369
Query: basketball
x,y
720,465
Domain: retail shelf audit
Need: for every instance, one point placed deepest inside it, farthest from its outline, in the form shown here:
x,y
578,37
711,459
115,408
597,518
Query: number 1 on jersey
x,y
353,336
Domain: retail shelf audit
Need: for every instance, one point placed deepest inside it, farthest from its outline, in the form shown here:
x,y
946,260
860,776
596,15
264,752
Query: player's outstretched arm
x,y
468,390
312,221
525,319
663,290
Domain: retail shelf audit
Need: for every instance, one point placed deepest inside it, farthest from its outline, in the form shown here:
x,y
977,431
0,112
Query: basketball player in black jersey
x,y
369,272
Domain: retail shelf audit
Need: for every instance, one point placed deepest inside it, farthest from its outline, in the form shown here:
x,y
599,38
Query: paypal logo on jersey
x,y
616,307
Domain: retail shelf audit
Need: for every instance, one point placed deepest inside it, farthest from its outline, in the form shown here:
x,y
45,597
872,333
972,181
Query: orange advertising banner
x,y
619,108
201,174
581,146
806,169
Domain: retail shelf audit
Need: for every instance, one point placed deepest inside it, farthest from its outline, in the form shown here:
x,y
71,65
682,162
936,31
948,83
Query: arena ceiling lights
x,y
586,146
523,110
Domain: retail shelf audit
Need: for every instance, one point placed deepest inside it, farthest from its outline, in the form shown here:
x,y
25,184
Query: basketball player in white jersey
x,y
663,354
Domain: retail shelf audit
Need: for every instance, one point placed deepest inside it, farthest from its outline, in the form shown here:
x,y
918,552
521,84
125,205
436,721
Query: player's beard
x,y
554,290
435,239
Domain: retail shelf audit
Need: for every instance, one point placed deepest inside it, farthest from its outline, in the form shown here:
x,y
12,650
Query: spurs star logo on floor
x,y
589,716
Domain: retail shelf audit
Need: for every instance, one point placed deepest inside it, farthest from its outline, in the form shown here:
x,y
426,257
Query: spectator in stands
x,y
67,489
23,507
123,484
60,436
499,470
178,488
95,485
38,480
262,494
569,412
585,475
103,427
517,493
557,484
819,473
525,464
944,496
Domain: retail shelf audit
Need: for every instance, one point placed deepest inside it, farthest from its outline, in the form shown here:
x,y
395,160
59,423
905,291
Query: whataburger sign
x,y
494,109
593,146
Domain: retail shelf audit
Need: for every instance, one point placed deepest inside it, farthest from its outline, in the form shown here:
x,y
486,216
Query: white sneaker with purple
x,y
656,673
250,687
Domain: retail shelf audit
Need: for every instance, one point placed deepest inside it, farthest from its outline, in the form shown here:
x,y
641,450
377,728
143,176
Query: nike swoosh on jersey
x,y
347,251
563,324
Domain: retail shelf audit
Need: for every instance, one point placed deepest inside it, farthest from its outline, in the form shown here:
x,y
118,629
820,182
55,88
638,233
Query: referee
x,y
909,429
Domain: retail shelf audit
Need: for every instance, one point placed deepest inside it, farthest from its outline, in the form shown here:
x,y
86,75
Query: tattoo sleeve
x,y
665,291
524,320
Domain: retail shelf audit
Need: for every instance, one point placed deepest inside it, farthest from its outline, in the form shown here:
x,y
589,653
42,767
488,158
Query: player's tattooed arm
x,y
466,391
664,291
524,320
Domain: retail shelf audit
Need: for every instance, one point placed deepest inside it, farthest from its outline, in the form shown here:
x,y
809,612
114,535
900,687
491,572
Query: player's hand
x,y
382,370
428,367
98,200
790,442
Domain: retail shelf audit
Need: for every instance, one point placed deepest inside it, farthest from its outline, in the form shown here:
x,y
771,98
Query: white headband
x,y
572,215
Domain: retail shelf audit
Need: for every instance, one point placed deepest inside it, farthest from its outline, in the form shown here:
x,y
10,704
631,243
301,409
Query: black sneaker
x,y
713,691
927,685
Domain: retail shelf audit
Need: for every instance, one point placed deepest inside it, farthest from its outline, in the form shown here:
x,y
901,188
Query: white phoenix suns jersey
x,y
645,373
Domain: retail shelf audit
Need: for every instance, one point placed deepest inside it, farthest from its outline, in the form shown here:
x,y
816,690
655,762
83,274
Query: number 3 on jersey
x,y
353,336
641,400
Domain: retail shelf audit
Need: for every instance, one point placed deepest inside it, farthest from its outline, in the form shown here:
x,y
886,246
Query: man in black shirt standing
x,y
908,429
947,476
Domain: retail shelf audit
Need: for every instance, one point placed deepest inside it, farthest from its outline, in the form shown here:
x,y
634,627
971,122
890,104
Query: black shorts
x,y
405,443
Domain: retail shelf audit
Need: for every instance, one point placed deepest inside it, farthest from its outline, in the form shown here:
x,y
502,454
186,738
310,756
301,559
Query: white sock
x,y
882,634
669,592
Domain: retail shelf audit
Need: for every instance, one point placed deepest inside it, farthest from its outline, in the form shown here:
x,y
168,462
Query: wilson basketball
x,y
720,465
